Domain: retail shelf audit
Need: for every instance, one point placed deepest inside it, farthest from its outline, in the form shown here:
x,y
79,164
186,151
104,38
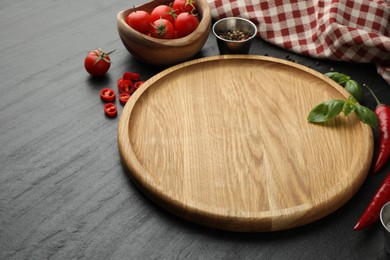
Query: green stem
x,y
373,94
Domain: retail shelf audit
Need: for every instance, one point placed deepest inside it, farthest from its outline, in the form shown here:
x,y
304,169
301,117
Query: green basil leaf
x,y
325,111
366,115
348,108
352,100
332,74
354,89
338,77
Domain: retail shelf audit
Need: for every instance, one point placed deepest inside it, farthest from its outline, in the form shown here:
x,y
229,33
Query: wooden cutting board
x,y
224,142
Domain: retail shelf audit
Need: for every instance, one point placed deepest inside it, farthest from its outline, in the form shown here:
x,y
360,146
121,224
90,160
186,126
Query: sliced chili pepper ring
x,y
110,110
107,94
125,85
124,97
138,84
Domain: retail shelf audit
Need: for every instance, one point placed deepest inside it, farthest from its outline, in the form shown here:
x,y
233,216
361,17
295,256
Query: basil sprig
x,y
332,108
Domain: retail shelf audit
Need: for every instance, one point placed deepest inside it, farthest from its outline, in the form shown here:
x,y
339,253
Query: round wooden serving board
x,y
224,141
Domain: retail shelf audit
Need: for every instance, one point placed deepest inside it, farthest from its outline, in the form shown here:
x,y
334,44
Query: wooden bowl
x,y
161,52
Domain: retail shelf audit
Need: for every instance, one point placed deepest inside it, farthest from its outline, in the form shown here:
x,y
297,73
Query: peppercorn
x,y
234,35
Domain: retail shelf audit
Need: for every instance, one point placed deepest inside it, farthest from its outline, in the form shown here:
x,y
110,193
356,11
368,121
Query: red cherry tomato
x,y
185,24
164,12
181,6
110,110
97,62
139,21
138,84
107,95
162,29
124,97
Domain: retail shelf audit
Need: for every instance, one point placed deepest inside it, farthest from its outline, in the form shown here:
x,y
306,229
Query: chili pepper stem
x,y
373,94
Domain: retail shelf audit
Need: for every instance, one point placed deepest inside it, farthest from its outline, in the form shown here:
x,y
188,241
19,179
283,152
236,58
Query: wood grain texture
x,y
225,142
64,193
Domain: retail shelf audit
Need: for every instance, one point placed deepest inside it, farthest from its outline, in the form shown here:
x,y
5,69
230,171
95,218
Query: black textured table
x,y
63,191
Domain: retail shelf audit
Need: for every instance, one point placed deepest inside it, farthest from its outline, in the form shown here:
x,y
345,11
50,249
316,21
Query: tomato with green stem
x,y
181,6
163,29
164,12
185,24
97,62
139,20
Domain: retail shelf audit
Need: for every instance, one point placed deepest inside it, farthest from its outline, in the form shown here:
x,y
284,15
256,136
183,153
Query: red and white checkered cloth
x,y
347,30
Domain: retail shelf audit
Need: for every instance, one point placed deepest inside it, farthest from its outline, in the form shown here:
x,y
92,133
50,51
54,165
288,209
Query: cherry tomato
x,y
131,76
125,85
185,24
139,21
162,29
110,110
181,6
97,62
138,84
124,97
164,12
107,94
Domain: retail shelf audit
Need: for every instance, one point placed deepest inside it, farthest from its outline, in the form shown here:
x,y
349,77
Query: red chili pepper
x,y
124,97
371,214
383,113
107,95
110,110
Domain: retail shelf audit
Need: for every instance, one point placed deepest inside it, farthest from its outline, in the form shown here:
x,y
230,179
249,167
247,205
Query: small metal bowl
x,y
385,219
230,24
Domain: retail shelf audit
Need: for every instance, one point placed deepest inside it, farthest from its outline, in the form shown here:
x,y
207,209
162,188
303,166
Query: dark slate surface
x,y
63,191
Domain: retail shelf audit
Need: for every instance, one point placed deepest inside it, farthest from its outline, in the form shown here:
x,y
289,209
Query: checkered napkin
x,y
347,30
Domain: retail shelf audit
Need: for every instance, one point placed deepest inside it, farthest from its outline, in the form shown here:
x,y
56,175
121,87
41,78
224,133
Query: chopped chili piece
x,y
107,95
124,97
125,85
131,76
110,110
138,84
